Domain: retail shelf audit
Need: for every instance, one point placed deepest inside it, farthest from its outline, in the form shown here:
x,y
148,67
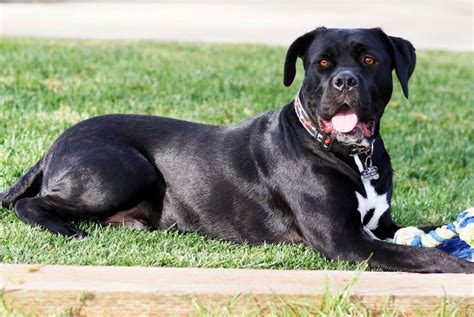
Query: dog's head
x,y
348,78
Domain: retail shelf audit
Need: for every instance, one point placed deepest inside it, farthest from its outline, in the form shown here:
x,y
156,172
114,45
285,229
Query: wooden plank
x,y
125,291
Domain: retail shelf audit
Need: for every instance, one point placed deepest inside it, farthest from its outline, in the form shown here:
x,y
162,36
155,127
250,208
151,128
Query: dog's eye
x,y
369,60
324,63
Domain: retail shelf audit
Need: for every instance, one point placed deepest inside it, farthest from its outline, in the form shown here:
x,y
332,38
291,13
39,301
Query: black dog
x,y
315,172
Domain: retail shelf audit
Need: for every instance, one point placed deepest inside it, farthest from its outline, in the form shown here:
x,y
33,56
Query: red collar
x,y
325,141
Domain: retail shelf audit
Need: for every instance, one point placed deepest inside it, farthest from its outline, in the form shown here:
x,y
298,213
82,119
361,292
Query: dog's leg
x,y
386,228
333,229
429,228
350,244
395,257
43,211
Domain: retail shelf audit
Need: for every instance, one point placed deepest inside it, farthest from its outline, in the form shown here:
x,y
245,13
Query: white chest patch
x,y
374,201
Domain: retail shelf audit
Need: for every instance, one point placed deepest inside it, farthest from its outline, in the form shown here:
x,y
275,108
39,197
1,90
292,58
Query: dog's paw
x,y
79,235
468,267
460,266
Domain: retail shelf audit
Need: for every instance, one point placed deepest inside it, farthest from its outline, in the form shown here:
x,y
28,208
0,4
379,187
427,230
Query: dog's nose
x,y
345,80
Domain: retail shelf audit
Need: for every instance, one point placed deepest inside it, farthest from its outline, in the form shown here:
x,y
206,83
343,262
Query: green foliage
x,y
47,86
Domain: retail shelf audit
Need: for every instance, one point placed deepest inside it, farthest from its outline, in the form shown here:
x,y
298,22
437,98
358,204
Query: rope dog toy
x,y
456,238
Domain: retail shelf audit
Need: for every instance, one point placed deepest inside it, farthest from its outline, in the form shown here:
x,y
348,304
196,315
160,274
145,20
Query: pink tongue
x,y
344,121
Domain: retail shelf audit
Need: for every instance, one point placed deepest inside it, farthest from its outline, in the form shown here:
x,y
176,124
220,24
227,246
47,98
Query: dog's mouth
x,y
346,126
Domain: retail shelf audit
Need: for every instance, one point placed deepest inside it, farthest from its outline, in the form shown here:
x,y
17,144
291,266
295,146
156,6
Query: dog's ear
x,y
404,60
297,49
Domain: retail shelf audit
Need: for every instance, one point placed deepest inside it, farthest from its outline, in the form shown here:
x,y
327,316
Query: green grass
x,y
46,86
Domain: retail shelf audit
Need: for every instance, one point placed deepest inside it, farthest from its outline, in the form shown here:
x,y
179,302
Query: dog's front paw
x,y
469,267
461,266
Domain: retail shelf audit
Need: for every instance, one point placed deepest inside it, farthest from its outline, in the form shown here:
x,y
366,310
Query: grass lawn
x,y
47,86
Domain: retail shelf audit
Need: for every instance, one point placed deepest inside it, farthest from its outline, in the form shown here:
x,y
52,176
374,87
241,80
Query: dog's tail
x,y
27,186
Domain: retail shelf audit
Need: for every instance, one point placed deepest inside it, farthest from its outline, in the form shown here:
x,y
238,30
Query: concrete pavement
x,y
429,24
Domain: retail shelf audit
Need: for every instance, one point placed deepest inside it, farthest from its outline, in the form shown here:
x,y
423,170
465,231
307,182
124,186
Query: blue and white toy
x,y
456,238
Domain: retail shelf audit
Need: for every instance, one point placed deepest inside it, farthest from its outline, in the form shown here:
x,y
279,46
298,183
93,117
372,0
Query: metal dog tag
x,y
370,173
